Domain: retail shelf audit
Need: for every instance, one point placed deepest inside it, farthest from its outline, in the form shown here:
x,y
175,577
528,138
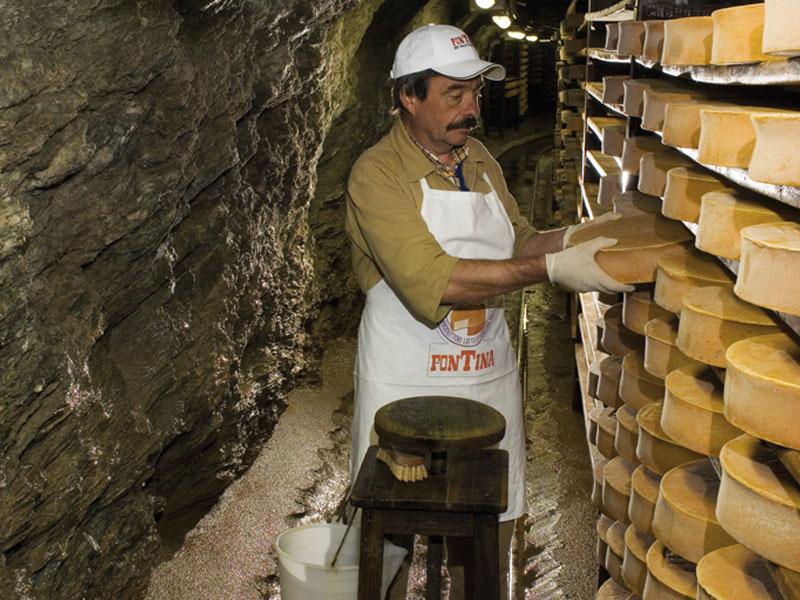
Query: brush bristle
x,y
405,473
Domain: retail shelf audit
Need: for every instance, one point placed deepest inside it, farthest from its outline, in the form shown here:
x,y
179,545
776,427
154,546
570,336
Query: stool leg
x,y
433,585
370,564
485,569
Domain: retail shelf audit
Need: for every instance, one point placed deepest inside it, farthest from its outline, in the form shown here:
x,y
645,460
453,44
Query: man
x,y
437,239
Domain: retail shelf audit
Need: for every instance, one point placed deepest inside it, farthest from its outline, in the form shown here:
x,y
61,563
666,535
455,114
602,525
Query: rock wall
x,y
171,257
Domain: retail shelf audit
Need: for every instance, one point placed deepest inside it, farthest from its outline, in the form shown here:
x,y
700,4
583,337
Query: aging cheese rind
x,y
644,495
687,41
728,135
615,538
735,573
611,590
775,155
633,203
723,215
610,186
738,32
627,434
693,412
712,318
762,388
613,91
655,104
634,562
638,308
617,488
681,271
631,38
684,189
781,33
637,387
653,168
637,146
617,339
668,578
759,501
682,122
653,40
655,449
633,100
607,391
769,252
606,428
661,353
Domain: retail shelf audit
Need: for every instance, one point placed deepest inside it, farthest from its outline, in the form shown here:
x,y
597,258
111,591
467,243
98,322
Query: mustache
x,y
466,123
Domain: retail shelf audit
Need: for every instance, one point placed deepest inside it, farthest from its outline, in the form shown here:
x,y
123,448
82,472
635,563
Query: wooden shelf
x,y
596,124
602,163
774,72
607,55
595,90
621,11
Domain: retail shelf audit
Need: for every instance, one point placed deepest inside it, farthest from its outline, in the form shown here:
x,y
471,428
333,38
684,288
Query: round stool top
x,y
439,423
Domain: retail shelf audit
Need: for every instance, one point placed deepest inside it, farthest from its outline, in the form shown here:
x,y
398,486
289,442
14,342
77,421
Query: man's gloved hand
x,y
575,268
604,218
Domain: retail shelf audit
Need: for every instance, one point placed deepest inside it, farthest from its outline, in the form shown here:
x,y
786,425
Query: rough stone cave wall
x,y
171,257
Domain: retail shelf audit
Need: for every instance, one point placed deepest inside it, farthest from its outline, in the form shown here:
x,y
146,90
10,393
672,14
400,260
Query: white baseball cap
x,y
445,49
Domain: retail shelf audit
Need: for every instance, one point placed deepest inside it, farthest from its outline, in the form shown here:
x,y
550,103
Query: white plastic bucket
x,y
305,554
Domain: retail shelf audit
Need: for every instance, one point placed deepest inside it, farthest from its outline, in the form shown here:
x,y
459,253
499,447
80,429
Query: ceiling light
x,y
532,38
485,3
502,21
517,35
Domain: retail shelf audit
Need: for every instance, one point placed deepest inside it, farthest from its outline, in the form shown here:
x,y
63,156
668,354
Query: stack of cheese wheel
x,y
593,415
669,577
615,538
759,501
728,136
644,495
641,241
617,488
610,186
637,387
775,155
599,463
661,353
694,413
637,146
653,168
685,517
762,388
627,434
679,272
617,339
738,32
735,573
769,252
682,122
655,449
633,99
631,38
723,215
656,101
603,523
611,590
712,318
781,34
687,41
634,202
684,189
638,308
612,134
612,36
634,562
606,429
613,92
653,40
607,392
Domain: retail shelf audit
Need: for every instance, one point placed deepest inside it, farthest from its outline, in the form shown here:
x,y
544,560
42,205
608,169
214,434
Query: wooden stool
x,y
464,501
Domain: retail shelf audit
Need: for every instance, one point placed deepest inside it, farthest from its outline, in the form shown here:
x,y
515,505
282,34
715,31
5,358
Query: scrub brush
x,y
405,467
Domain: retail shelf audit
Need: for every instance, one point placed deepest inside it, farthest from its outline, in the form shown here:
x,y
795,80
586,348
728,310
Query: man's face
x,y
443,120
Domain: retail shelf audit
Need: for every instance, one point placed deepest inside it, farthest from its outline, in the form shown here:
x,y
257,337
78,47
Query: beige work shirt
x,y
390,239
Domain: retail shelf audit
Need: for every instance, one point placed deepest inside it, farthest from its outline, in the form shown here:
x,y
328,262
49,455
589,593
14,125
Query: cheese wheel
x,y
607,392
655,449
661,353
610,186
606,428
613,139
656,101
617,488
633,101
737,35
681,271
735,573
635,147
612,36
627,434
668,577
769,252
602,525
615,538
617,339
728,136
788,581
593,415
685,519
684,190
759,501
641,241
693,413
613,92
574,123
631,38
653,40
687,41
637,387
644,495
682,122
712,318
598,465
634,561
574,97
775,155
653,168
611,590
781,33
634,202
723,214
762,388
638,309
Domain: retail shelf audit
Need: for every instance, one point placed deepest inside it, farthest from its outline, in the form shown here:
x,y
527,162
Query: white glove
x,y
576,269
604,218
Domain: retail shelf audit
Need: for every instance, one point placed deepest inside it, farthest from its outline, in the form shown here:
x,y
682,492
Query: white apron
x,y
468,354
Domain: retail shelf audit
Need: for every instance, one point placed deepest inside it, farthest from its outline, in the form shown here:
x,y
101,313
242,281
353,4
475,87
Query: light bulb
x,y
517,35
532,38
484,3
502,21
